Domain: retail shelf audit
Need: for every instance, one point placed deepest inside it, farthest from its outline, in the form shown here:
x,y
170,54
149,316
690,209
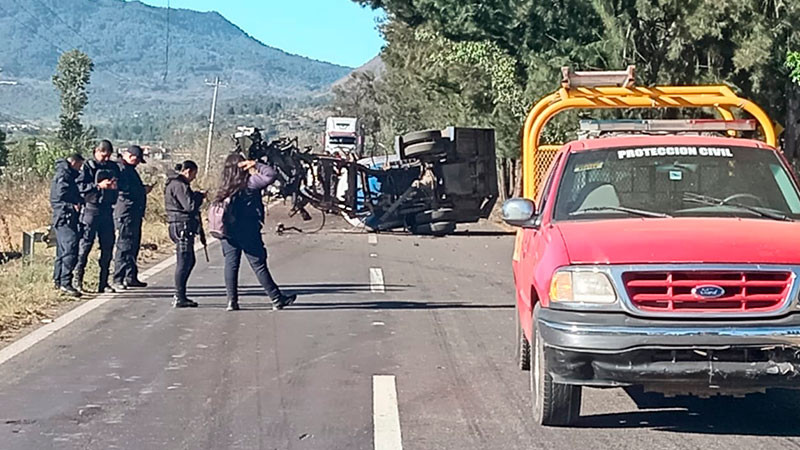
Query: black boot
x,y
183,302
70,291
77,281
283,301
233,305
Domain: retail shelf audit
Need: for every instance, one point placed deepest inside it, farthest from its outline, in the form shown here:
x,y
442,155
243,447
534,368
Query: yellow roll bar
x,y
536,158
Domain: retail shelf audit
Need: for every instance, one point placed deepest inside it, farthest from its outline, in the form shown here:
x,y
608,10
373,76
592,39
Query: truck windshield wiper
x,y
692,197
637,212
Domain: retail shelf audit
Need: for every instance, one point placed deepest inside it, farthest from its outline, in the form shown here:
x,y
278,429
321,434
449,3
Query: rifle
x,y
201,233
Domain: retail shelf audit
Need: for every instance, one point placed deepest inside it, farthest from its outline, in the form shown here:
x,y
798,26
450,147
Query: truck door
x,y
530,251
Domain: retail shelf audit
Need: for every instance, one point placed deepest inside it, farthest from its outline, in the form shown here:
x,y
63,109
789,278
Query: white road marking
x,y
372,239
62,321
376,280
386,417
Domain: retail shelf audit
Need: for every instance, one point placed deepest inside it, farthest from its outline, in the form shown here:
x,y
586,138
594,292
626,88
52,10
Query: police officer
x,y
66,202
183,214
97,183
128,217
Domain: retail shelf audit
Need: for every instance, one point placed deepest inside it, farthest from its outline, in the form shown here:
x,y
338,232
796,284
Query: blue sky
x,y
337,31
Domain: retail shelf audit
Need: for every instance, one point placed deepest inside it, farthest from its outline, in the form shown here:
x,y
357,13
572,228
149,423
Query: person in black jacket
x,y
128,216
242,184
97,183
66,202
183,215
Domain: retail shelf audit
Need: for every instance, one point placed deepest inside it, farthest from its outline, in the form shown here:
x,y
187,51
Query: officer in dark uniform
x,y
66,202
128,217
98,186
183,214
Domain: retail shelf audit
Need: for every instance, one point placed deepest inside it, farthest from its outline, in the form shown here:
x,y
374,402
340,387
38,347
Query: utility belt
x,y
186,228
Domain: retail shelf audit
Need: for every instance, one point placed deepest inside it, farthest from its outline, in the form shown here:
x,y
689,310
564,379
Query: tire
x,y
432,148
523,352
435,215
434,228
415,137
554,404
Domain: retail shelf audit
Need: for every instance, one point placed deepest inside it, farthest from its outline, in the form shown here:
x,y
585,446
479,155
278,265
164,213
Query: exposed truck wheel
x,y
523,352
421,149
415,137
553,403
435,215
434,228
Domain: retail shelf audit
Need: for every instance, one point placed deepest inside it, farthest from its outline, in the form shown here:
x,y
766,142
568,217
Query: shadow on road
x,y
254,290
776,413
396,304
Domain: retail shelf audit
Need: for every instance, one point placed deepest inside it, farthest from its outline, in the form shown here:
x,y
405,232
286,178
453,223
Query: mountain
x,y
374,65
128,43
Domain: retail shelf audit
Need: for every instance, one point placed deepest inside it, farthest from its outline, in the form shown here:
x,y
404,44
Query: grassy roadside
x,y
27,295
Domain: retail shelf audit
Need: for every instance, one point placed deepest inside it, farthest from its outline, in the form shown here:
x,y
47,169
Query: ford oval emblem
x,y
708,291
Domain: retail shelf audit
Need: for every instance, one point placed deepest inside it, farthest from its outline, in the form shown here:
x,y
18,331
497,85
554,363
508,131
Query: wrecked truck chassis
x,y
671,357
455,184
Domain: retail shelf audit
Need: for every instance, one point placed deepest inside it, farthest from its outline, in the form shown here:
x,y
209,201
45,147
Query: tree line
x,y
486,62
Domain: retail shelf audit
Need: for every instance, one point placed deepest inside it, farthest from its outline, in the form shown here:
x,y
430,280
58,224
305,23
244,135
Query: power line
x,y
64,22
166,56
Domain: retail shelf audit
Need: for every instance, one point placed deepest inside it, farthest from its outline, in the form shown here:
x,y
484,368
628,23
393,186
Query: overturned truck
x,y
435,180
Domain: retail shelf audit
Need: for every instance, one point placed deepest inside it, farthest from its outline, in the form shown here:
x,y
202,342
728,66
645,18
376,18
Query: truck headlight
x,y
569,286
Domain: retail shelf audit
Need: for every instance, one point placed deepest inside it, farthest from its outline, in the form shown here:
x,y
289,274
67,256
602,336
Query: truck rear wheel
x,y
553,403
434,228
435,215
421,149
415,137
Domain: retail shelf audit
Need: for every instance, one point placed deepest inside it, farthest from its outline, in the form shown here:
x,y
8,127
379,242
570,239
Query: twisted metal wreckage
x,y
435,180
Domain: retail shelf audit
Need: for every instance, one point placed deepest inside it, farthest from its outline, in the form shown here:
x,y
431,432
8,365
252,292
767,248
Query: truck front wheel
x,y
553,403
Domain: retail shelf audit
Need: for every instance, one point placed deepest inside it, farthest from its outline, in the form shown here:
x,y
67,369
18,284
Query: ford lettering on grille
x,y
708,291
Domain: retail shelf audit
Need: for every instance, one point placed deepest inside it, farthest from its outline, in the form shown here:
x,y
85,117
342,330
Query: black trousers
x,y
67,238
248,242
182,234
96,225
129,240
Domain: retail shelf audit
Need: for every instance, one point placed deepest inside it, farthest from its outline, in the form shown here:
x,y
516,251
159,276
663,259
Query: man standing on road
x,y
183,214
98,186
66,202
128,217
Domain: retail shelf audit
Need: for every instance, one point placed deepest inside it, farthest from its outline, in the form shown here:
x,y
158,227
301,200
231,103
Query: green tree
x,y
359,97
71,79
743,43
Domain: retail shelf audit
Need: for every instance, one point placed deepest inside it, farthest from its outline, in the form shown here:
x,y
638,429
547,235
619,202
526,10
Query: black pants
x,y
182,234
250,243
100,225
67,239
129,239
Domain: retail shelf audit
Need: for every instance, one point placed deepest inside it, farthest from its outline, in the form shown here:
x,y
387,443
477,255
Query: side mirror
x,y
519,212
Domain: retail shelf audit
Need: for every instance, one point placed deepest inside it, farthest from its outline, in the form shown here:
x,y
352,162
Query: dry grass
x,y
26,290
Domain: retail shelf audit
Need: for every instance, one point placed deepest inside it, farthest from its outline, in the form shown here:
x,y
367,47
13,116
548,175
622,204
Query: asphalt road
x,y
433,316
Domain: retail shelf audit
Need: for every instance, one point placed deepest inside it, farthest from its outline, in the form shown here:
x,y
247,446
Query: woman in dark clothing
x,y
242,183
183,214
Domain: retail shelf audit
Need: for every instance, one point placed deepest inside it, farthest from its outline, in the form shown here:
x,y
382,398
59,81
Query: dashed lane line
x,y
372,239
376,283
386,417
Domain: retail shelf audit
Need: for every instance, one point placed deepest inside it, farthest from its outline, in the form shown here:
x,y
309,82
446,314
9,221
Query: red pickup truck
x,y
669,262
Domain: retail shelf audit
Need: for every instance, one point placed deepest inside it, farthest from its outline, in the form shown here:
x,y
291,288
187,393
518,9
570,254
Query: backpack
x,y
217,219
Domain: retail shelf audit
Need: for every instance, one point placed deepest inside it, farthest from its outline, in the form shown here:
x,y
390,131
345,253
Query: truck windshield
x,y
676,181
342,140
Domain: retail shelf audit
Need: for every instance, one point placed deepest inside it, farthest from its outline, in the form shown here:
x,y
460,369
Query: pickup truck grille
x,y
681,291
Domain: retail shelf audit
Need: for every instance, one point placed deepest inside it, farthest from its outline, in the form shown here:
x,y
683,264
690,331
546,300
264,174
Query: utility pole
x,y
211,121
